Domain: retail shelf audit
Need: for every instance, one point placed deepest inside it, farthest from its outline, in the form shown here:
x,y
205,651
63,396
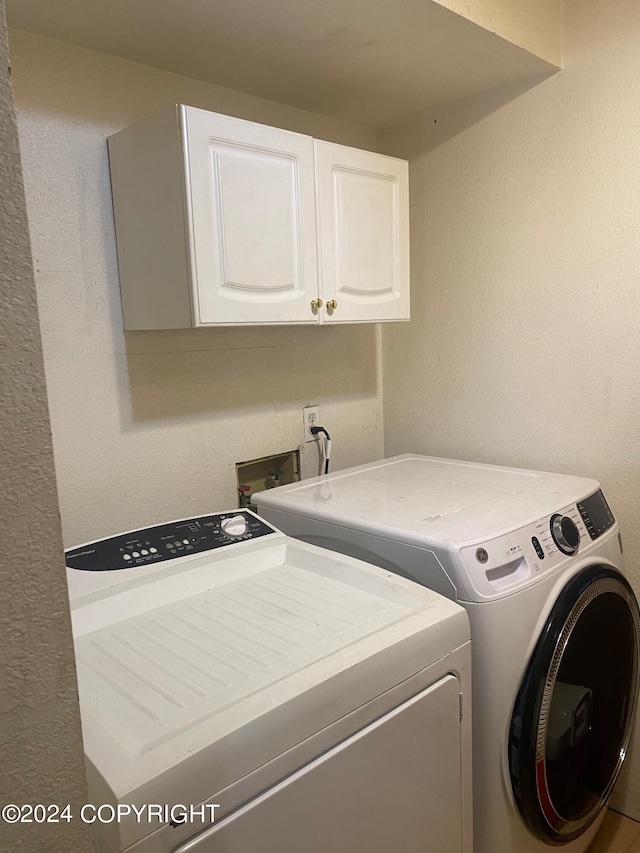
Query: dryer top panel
x,y
228,661
425,499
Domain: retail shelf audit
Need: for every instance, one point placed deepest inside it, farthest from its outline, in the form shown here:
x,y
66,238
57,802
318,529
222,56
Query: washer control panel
x,y
167,541
560,534
510,561
596,514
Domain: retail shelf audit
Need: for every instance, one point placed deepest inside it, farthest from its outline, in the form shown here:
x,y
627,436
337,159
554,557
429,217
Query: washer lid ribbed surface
x,y
163,671
185,663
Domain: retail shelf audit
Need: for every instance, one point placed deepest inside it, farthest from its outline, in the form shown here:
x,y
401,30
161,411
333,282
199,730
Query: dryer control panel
x,y
511,561
167,541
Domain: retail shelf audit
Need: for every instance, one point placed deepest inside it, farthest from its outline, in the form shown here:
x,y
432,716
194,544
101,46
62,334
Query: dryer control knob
x,y
234,526
565,533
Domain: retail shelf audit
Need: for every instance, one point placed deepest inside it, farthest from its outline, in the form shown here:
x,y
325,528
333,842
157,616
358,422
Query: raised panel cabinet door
x,y
251,207
363,223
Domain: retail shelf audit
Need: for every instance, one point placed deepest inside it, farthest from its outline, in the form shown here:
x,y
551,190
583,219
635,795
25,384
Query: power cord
x,y
316,430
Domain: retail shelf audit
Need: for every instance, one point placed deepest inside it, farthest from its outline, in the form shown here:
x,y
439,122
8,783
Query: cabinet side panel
x,y
147,182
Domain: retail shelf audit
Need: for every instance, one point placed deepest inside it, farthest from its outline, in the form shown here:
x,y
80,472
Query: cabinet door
x,y
394,786
251,204
363,222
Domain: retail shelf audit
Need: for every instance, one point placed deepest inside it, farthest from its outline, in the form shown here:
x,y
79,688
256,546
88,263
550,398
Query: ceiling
x,y
377,64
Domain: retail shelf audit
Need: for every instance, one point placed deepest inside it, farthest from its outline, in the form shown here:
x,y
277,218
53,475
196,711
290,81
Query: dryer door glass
x,y
572,719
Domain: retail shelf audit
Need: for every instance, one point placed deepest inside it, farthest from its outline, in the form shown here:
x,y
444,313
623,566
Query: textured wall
x,y
40,741
537,27
148,426
524,342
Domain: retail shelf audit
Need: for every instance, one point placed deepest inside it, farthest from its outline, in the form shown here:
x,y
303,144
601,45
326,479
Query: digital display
x,y
596,514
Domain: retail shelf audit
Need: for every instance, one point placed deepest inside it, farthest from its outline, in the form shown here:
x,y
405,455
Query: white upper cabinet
x,y
253,221
223,222
363,222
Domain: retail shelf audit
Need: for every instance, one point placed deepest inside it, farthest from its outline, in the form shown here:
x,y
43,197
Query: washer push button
x,y
536,544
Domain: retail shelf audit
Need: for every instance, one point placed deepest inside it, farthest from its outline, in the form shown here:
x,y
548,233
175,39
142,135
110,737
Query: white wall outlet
x,y
310,418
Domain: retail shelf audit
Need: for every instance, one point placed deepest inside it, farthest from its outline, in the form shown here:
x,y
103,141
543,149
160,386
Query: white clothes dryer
x,y
263,695
536,560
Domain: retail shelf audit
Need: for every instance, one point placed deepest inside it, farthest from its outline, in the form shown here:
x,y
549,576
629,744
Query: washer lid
x,y
190,681
423,498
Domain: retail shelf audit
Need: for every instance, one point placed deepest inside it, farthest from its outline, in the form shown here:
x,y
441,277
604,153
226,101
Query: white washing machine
x,y
243,692
536,559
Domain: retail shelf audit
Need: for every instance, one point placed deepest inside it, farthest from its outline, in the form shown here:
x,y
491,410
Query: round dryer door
x,y
572,719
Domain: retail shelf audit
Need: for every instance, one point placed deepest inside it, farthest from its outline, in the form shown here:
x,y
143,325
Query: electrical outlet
x,y
310,418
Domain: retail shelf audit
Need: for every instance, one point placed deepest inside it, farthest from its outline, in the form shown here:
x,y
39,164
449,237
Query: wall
x,y
148,426
524,343
537,27
40,740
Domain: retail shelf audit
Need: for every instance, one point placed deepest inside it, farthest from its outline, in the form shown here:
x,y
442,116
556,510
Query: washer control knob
x,y
565,533
234,526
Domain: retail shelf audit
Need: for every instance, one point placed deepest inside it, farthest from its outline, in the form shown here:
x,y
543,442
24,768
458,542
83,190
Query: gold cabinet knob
x,y
315,304
332,304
